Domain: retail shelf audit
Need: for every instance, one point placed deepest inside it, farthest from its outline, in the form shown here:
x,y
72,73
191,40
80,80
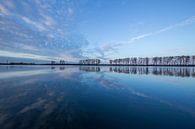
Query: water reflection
x,y
139,70
22,71
84,97
163,71
59,67
90,69
40,99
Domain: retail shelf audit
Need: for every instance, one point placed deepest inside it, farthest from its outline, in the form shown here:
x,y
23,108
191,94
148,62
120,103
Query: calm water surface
x,y
72,97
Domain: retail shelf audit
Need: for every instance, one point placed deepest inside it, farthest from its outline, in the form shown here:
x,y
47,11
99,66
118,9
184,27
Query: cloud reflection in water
x,y
72,97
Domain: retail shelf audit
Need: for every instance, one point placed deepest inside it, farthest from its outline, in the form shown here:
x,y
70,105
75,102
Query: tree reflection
x,y
90,69
162,71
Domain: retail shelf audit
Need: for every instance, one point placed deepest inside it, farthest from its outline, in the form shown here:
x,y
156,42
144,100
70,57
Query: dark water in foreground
x,y
44,97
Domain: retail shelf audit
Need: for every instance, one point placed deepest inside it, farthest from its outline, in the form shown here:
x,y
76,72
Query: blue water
x,y
73,97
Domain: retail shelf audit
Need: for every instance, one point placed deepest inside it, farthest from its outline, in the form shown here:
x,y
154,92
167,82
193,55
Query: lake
x,y
87,97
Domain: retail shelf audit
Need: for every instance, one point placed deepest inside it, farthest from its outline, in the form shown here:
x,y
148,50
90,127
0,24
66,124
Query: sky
x,y
45,30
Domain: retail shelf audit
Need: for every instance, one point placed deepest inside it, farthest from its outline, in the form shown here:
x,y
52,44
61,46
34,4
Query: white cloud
x,y
70,12
183,23
28,47
68,57
9,3
103,50
48,21
3,10
37,25
27,56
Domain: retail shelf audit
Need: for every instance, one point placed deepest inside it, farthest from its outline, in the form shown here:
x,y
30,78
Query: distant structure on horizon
x,y
60,62
170,60
90,61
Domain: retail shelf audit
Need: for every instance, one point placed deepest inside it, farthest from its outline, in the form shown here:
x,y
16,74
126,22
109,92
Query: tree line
x,y
90,61
170,60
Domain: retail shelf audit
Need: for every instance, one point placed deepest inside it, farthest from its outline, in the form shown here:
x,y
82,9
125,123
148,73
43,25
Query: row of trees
x,y
171,60
90,61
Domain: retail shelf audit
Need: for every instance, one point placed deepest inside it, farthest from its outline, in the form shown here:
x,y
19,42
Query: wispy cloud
x,y
181,24
70,12
106,49
27,56
4,10
103,51
45,28
47,23
37,25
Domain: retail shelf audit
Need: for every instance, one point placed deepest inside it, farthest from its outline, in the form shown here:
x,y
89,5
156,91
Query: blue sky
x,y
106,29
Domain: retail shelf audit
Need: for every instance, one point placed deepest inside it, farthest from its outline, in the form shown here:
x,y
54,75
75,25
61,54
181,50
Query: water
x,y
73,97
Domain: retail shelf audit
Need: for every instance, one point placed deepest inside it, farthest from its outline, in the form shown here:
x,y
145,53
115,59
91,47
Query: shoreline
x,y
97,65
